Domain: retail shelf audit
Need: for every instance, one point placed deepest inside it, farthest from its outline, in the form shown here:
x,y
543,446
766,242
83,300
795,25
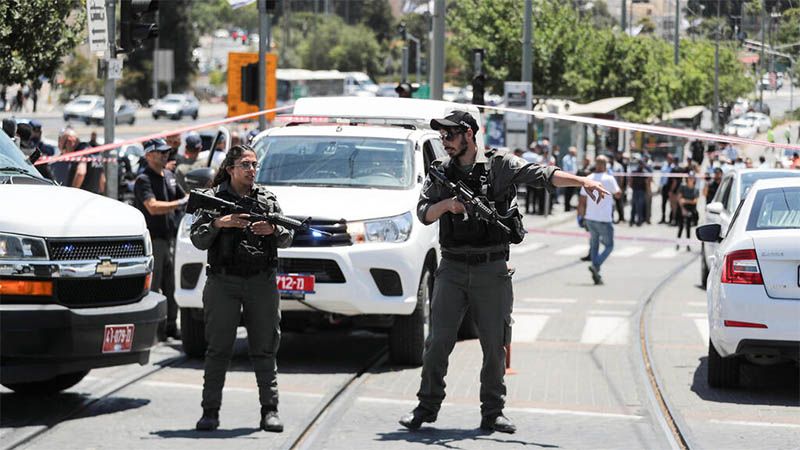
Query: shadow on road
x,y
449,437
760,385
28,410
218,434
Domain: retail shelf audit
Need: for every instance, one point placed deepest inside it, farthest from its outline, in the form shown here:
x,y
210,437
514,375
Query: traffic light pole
x,y
109,92
263,31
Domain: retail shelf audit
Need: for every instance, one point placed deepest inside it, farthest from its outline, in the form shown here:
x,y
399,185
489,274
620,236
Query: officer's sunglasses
x,y
247,165
449,135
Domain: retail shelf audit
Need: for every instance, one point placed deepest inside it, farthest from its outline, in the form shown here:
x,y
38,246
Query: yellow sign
x,y
236,61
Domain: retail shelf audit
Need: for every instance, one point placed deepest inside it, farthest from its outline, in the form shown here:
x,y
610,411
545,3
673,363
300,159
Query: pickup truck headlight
x,y
148,244
13,246
185,228
389,229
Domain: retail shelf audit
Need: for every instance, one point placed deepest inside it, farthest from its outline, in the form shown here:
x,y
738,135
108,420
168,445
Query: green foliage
x,y
35,35
80,77
332,44
575,60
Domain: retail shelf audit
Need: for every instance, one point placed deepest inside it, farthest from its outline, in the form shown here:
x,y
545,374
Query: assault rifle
x,y
473,204
249,206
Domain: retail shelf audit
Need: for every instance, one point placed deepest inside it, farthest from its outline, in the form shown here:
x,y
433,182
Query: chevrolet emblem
x,y
106,268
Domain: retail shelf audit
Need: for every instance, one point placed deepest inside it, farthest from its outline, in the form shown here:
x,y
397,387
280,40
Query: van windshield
x,y
335,161
13,161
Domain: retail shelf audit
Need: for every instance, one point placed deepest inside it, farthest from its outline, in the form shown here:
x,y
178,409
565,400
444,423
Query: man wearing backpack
x,y
473,272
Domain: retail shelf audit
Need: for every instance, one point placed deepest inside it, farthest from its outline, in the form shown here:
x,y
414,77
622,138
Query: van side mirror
x,y
715,208
200,178
709,233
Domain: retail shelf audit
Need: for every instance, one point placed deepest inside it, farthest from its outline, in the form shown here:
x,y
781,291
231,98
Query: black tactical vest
x,y
454,231
239,253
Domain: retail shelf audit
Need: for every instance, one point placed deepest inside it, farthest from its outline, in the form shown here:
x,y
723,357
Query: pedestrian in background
x,y
710,189
599,218
242,263
569,164
174,143
187,162
640,184
158,196
664,185
474,272
687,199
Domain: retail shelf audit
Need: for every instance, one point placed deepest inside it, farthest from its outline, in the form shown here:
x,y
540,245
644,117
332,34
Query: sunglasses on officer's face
x,y
449,135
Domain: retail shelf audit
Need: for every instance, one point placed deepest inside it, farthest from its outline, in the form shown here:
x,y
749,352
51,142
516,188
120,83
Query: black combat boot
x,y
414,419
498,423
270,420
209,421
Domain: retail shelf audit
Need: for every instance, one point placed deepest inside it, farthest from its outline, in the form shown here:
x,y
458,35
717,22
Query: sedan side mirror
x,y
709,233
715,208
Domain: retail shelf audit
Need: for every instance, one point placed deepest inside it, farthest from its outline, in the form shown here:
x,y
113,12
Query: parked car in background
x,y
754,283
760,120
740,107
175,106
124,112
732,189
81,108
387,90
757,106
742,128
359,84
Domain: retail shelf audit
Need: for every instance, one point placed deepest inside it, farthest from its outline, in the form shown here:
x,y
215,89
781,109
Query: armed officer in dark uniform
x,y
473,272
242,261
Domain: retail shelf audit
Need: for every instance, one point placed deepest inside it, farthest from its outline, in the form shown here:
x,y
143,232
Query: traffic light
x,y
249,92
135,25
478,89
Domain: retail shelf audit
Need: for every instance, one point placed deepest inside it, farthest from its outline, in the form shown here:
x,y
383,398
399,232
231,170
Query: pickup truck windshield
x,y
12,160
335,161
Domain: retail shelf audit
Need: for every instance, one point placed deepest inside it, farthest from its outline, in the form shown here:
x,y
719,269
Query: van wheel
x,y
408,334
193,333
722,372
703,267
56,384
468,328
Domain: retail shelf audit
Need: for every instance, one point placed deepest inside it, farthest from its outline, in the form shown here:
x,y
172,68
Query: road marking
x,y
527,248
199,387
394,401
696,315
536,310
703,304
527,327
626,252
615,302
754,424
605,330
549,300
580,249
665,253
609,312
702,327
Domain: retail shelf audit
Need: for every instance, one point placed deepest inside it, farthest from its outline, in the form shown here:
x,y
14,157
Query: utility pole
x,y
761,59
437,50
624,17
527,56
155,64
716,74
263,48
110,93
677,30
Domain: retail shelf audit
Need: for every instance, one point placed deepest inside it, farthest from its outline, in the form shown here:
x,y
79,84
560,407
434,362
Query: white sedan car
x,y
761,121
754,283
741,128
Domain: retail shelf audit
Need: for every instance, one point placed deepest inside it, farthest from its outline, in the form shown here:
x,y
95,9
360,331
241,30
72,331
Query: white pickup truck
x,y
358,174
75,272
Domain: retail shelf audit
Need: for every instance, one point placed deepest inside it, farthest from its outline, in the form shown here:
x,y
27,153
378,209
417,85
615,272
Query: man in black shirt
x,y
158,196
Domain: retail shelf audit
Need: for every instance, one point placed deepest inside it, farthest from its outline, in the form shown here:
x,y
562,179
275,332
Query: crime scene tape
x,y
114,145
585,234
653,129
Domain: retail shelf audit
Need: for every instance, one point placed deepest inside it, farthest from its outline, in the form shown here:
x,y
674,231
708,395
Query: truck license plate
x,y
118,338
294,283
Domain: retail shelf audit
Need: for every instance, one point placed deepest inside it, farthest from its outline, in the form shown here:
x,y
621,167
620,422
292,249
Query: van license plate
x,y
294,283
118,338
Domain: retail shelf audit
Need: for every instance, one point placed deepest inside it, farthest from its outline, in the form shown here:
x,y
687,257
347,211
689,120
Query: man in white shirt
x,y
599,218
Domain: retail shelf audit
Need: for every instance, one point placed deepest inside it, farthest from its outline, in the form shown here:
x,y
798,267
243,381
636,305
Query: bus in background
x,y
299,83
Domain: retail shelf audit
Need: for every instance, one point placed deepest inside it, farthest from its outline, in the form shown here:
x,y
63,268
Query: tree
x,y
35,35
347,47
80,77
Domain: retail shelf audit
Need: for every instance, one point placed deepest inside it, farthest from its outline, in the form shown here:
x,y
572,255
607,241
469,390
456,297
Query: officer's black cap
x,y
457,119
404,88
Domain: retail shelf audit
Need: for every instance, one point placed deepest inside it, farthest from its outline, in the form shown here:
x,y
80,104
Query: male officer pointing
x,y
473,271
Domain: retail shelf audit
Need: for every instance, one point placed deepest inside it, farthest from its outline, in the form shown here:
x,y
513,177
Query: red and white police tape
x,y
585,234
115,145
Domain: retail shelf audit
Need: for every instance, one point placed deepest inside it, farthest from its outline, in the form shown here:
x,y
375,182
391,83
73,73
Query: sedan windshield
x,y
335,161
775,209
13,161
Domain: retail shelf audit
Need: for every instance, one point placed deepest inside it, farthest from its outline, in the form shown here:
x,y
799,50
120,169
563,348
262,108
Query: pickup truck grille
x,y
337,228
324,270
84,293
67,250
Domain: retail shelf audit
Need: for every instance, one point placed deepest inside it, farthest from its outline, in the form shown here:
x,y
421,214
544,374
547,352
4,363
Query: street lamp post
x,y
716,74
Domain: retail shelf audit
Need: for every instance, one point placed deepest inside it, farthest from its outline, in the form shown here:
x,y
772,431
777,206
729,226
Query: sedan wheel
x,y
722,372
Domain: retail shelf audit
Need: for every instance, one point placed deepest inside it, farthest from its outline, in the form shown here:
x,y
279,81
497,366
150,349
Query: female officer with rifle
x,y
241,279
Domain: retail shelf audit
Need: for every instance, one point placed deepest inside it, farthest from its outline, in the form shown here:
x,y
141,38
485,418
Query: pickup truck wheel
x,y
703,267
408,334
51,386
722,372
468,328
193,333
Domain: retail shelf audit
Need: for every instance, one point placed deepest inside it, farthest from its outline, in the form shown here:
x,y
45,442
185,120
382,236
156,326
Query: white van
x,y
362,184
75,272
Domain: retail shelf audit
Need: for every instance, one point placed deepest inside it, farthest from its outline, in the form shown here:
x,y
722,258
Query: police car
x,y
357,171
